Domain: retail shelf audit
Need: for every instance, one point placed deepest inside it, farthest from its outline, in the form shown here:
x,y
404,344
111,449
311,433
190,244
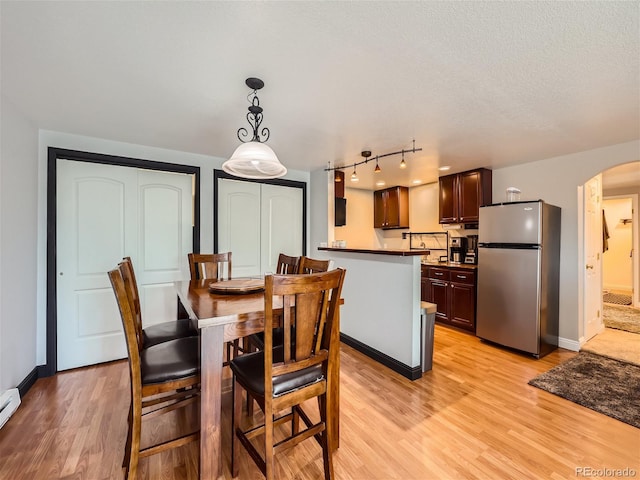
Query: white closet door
x,y
105,213
257,222
281,224
239,225
95,229
165,237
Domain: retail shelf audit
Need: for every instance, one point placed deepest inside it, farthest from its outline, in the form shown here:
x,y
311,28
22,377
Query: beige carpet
x,y
616,344
621,317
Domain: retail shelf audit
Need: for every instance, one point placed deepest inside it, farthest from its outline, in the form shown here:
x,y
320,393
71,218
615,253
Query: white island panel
x,y
382,302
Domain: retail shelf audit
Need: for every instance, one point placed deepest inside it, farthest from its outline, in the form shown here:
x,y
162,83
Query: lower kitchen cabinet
x,y
453,290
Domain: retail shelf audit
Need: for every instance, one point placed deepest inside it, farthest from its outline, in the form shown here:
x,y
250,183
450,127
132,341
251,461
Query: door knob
x,y
589,266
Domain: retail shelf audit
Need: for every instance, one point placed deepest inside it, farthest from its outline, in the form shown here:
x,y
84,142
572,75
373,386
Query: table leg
x,y
211,351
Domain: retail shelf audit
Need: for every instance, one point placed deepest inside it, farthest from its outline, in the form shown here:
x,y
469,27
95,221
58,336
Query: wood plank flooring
x,y
472,417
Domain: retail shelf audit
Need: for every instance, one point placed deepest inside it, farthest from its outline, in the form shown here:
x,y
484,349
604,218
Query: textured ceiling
x,y
474,83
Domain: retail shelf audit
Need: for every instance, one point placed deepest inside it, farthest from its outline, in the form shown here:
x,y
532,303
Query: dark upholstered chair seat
x,y
257,339
170,360
163,332
249,372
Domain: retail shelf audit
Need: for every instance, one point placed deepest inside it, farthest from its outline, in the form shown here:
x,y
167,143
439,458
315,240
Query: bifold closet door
x,y
105,213
257,222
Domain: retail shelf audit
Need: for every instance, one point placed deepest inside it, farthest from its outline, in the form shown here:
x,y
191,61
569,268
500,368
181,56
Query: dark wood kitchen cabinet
x,y
453,290
340,203
462,195
391,208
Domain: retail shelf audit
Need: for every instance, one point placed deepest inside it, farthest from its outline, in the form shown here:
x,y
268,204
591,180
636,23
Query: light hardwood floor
x,y
472,417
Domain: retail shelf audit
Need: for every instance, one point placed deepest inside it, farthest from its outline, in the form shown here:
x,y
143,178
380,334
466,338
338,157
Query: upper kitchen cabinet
x,y
462,195
391,208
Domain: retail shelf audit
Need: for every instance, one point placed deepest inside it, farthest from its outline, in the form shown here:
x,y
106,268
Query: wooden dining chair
x,y
163,378
216,266
285,377
287,264
160,332
305,265
310,265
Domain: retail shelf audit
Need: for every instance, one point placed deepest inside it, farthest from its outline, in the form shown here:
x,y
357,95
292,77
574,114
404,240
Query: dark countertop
x,y
379,251
468,266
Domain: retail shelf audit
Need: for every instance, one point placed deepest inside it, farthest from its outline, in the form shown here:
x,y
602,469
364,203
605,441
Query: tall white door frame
x,y
582,314
54,153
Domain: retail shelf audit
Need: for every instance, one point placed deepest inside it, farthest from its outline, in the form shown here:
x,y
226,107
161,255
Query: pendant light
x,y
354,175
403,164
253,158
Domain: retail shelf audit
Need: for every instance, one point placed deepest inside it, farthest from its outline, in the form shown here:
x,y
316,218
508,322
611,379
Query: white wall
x,y
423,208
358,232
206,163
321,208
556,181
18,213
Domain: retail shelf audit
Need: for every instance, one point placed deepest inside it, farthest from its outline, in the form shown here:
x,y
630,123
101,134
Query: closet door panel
x,y
239,225
281,224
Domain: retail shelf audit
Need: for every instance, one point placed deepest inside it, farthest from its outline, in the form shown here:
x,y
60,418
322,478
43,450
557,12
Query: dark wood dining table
x,y
222,318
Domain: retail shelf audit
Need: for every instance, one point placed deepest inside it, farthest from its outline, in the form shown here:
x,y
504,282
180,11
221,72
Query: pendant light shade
x,y
254,160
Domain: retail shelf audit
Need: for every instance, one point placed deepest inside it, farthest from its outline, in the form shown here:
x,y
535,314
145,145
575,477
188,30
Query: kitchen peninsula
x,y
381,313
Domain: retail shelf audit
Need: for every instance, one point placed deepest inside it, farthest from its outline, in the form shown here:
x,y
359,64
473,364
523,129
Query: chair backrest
x,y
310,265
287,264
209,265
131,288
315,299
133,339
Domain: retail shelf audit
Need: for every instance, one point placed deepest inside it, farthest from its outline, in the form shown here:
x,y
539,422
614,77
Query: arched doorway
x,y
621,183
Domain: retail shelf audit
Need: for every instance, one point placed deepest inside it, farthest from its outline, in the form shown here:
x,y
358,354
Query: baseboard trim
x,y
29,380
412,373
572,345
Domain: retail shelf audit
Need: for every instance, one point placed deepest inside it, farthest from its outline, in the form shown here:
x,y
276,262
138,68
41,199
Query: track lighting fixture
x,y
366,154
403,164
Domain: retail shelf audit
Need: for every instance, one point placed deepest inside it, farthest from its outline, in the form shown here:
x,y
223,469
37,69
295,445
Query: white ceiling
x,y
474,83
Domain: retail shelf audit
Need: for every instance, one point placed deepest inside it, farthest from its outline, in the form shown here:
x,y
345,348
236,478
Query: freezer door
x,y
511,223
509,297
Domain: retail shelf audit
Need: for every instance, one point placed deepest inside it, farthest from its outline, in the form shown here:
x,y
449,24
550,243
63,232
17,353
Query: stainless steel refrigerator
x,y
518,275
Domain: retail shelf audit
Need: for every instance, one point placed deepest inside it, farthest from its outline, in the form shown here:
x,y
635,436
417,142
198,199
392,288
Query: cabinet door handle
x,y
440,284
439,274
461,276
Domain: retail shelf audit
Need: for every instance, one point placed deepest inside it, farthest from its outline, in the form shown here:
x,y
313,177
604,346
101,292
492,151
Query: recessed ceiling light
x,y
444,168
417,182
380,183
